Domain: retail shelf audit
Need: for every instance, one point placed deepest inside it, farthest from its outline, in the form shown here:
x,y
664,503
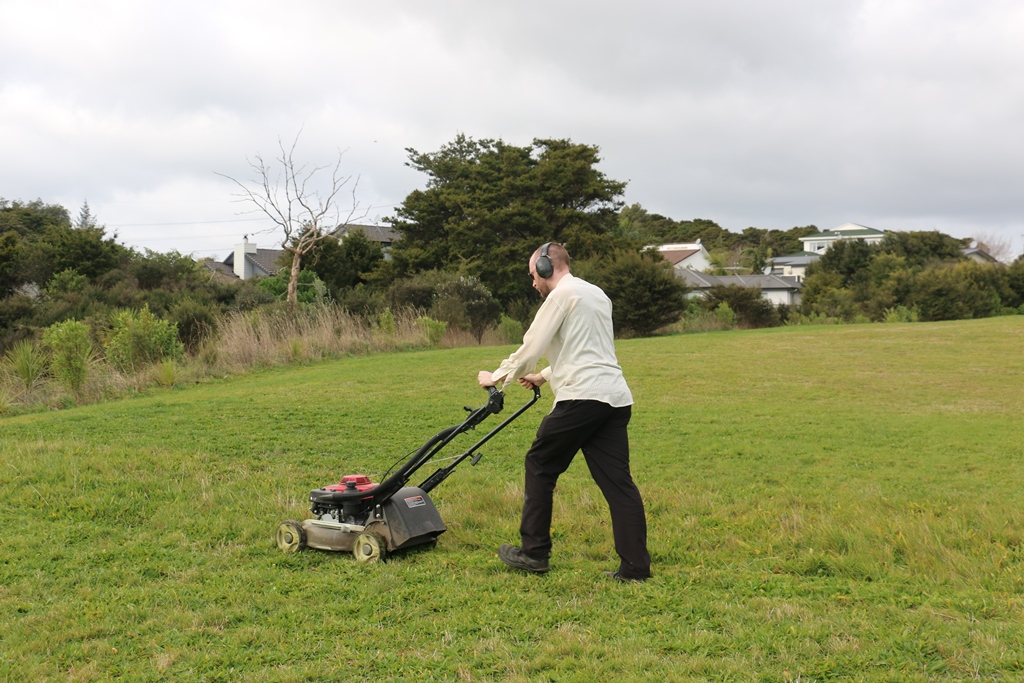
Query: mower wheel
x,y
370,547
290,536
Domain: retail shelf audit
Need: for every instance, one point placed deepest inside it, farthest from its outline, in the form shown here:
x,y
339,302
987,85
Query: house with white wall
x,y
979,254
775,288
819,243
685,255
793,265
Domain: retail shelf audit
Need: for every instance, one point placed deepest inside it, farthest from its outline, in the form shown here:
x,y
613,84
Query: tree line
x,y
910,276
466,236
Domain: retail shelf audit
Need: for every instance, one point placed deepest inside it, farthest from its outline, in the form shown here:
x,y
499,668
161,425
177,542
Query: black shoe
x,y
626,579
515,558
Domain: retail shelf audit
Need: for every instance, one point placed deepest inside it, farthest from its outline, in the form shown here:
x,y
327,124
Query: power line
x,y
176,238
232,220
153,225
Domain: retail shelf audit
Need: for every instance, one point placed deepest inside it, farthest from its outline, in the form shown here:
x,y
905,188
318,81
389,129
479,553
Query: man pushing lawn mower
x,y
573,328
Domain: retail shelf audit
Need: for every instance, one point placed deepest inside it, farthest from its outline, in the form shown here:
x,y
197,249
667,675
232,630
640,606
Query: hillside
x,y
825,503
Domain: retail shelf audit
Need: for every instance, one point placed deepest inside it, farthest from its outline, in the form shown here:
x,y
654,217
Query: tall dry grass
x,y
279,336
276,336
263,337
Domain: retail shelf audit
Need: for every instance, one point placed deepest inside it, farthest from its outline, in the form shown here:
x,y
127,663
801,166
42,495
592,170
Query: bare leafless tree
x,y
996,246
294,198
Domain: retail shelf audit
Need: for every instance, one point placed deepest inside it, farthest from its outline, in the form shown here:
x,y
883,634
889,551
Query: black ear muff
x,y
543,267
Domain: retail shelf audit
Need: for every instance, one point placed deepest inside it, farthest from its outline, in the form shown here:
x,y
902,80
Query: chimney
x,y
243,269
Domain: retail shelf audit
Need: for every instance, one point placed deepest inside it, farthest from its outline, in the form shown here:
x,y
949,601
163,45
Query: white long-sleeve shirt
x,y
573,328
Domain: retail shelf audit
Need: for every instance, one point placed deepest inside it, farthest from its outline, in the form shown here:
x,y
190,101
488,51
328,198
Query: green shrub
x,y
387,323
955,292
311,289
815,319
699,320
751,309
295,349
70,353
361,300
166,373
138,338
195,321
645,292
724,314
13,312
418,291
250,297
156,270
461,301
64,282
433,330
510,330
902,314
27,362
466,303
523,310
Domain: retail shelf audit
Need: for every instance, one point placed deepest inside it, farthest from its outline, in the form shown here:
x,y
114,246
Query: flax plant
x,y
28,364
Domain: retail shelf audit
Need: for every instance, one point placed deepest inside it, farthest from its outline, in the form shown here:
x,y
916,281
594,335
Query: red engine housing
x,y
361,482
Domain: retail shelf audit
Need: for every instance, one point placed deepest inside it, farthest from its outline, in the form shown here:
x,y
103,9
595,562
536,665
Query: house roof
x,y
218,267
801,258
264,259
844,230
980,253
675,246
375,233
762,282
677,255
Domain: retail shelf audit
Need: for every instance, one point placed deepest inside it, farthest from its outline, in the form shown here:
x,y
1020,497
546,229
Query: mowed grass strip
x,y
830,503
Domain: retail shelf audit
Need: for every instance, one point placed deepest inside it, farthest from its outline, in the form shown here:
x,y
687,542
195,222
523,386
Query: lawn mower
x,y
371,520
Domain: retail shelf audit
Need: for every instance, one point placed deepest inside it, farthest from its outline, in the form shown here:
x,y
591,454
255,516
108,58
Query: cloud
x,y
903,112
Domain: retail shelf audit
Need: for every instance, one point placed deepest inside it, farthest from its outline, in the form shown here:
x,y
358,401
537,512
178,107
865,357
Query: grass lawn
x,y
825,503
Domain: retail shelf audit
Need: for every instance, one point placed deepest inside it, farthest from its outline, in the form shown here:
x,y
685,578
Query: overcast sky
x,y
895,114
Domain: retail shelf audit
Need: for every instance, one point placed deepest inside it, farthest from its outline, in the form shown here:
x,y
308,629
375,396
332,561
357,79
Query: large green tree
x,y
43,241
346,263
10,262
922,271
752,248
488,204
645,292
922,248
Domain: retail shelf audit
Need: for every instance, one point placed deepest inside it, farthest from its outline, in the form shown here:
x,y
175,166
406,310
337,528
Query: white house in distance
x,y
819,243
248,261
690,259
978,253
774,288
685,255
793,265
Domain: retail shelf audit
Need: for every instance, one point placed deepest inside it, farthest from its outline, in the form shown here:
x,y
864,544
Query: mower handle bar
x,y
442,474
391,485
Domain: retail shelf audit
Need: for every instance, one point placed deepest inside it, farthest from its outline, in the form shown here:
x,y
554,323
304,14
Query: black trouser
x,y
599,430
